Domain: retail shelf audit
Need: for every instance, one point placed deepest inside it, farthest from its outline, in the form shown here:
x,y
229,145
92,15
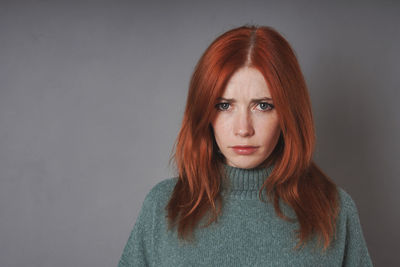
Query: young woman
x,y
247,192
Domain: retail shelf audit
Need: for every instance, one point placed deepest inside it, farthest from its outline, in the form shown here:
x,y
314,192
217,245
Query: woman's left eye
x,y
265,106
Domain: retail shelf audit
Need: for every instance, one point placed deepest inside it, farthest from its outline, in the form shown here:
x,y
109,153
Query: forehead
x,y
246,82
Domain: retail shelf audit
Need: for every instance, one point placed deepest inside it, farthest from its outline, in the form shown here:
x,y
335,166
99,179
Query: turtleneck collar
x,y
244,183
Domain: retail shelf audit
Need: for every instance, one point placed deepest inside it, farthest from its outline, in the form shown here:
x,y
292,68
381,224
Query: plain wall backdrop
x,y
92,95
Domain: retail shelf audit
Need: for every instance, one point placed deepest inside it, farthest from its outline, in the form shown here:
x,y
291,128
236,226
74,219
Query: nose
x,y
243,125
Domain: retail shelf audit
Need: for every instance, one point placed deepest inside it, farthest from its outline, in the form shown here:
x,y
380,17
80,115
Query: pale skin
x,y
246,117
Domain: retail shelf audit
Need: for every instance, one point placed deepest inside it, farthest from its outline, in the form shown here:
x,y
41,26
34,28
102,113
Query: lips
x,y
244,150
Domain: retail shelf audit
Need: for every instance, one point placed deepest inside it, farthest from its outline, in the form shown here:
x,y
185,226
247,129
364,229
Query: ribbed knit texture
x,y
248,232
244,183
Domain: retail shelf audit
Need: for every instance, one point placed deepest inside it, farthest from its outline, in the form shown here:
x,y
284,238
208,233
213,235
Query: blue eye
x,y
222,106
265,105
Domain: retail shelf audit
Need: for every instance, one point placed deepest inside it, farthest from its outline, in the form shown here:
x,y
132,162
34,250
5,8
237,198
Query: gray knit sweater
x,y
248,232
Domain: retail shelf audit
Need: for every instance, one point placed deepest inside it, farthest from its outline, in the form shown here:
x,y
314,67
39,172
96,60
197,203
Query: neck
x,y
244,183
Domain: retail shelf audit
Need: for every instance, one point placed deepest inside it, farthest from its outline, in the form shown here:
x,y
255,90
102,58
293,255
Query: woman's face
x,y
246,127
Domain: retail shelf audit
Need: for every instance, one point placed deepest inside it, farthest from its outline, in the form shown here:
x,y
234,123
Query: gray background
x,y
92,95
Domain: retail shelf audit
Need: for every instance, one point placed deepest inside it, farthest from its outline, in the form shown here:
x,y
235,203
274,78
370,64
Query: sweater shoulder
x,y
347,203
161,191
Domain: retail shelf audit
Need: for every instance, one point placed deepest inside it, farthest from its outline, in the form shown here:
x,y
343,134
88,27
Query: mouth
x,y
244,150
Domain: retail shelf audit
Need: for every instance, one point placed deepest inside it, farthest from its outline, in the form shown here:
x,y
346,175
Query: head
x,y
246,90
246,125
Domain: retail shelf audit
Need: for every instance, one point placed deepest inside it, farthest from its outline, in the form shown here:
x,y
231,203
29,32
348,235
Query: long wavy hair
x,y
295,178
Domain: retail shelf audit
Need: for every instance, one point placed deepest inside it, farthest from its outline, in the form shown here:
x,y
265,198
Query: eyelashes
x,y
264,106
222,106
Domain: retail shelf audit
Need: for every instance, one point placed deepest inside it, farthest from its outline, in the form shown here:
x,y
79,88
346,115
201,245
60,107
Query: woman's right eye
x,y
222,106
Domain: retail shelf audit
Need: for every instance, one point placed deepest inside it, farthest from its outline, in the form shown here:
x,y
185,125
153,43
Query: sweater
x,y
247,233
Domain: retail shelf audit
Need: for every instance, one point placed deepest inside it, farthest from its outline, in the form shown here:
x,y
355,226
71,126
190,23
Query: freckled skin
x,y
243,122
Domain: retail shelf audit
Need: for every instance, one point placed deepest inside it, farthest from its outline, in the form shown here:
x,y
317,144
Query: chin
x,y
246,164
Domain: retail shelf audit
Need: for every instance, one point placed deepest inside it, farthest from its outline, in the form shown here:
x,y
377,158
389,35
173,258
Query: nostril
x,y
243,124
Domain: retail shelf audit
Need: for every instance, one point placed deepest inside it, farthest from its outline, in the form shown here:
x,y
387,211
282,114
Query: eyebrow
x,y
253,100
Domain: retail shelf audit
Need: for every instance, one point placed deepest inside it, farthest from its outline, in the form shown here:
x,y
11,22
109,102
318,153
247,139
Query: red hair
x,y
295,178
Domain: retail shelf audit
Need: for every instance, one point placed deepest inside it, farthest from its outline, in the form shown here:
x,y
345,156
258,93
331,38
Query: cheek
x,y
269,131
221,129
